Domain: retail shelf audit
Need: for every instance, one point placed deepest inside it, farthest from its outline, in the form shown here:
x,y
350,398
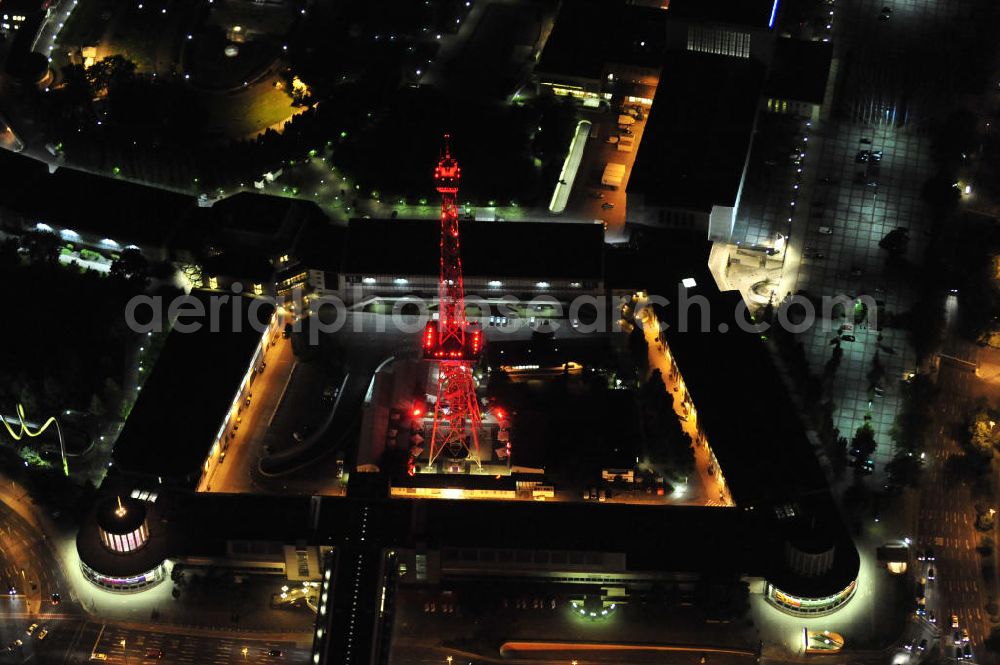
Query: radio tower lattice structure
x,y
452,342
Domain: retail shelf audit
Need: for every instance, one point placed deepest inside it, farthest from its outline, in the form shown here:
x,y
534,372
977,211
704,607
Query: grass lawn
x,y
149,37
248,112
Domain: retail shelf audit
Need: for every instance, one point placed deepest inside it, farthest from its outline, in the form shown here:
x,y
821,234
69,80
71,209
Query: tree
x,y
863,444
131,266
639,350
722,597
914,417
838,455
984,434
666,441
992,642
42,246
834,362
877,372
895,242
904,470
104,75
940,192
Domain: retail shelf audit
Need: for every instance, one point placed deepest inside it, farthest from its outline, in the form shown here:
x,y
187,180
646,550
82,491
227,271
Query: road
x,y
73,640
945,522
234,473
946,510
27,563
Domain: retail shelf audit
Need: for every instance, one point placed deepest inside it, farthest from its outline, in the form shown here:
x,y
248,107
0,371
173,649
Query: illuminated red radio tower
x,y
452,342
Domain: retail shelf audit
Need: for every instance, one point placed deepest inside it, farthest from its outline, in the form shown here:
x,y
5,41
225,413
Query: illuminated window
x,y
720,42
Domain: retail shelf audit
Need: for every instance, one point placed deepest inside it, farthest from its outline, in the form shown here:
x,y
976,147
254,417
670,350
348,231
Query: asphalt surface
x,y
72,635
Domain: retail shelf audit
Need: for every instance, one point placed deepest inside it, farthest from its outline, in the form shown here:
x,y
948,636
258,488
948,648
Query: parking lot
x,y
607,145
883,103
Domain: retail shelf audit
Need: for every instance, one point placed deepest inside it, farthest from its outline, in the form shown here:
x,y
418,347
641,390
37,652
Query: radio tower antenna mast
x,y
452,342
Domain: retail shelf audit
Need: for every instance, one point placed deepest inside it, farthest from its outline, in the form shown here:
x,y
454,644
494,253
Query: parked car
x,y
826,230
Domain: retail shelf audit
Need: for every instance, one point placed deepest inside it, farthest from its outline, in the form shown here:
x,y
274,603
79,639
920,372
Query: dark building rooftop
x,y
489,249
163,541
183,402
746,13
261,214
591,33
249,266
124,211
121,521
800,70
318,245
697,138
254,223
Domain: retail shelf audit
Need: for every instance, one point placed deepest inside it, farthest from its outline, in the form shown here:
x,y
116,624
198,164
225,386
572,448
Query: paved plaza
x,y
876,109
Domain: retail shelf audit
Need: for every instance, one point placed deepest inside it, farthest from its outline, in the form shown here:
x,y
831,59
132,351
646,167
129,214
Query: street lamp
x,y
244,651
124,652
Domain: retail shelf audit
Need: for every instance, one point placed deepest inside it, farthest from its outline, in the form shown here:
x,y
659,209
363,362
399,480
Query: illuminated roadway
x,y
72,636
946,512
234,474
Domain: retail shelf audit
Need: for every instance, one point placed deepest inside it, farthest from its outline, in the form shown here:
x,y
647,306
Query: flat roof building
x,y
601,48
181,421
801,78
690,167
524,259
